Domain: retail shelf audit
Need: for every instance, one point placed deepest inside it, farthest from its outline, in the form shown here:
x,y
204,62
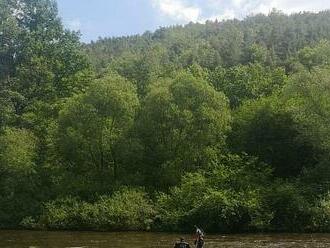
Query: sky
x,y
109,18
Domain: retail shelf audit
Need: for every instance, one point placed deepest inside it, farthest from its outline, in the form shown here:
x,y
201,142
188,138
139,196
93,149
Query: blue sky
x,y
107,18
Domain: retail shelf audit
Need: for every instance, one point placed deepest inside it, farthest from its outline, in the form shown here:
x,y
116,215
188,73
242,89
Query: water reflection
x,y
25,239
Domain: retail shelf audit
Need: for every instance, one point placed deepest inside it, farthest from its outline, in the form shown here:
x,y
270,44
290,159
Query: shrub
x,y
290,209
321,215
230,198
127,209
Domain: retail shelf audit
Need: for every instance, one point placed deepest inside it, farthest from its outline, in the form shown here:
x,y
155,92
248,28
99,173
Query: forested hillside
x,y
224,125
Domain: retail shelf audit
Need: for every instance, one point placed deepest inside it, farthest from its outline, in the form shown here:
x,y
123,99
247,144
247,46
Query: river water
x,y
26,239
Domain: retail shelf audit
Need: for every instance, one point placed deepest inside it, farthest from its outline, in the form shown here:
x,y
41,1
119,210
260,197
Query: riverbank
x,y
23,239
224,211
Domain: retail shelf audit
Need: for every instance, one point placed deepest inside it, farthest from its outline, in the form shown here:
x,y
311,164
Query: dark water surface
x,y
25,239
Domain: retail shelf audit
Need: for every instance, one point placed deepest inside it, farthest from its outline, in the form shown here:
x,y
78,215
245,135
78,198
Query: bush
x,y
321,215
28,223
291,211
61,214
127,209
230,198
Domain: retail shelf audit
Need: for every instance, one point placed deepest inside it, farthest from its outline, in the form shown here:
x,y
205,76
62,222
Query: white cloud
x,y
178,10
202,10
300,5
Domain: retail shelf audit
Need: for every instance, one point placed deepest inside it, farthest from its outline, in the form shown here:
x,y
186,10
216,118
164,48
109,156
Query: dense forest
x,y
225,125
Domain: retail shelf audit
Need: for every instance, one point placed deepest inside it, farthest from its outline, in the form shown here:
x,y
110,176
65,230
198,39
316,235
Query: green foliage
x,y
271,39
44,58
321,214
182,125
247,82
229,197
257,54
315,56
128,209
291,210
18,151
308,99
41,64
91,129
142,69
167,111
265,129
19,181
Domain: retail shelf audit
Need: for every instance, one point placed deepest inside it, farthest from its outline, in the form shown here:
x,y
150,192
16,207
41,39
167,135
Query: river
x,y
26,239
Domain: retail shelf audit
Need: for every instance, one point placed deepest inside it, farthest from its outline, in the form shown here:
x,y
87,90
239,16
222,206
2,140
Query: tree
x,y
318,55
227,197
182,125
40,59
19,182
257,54
142,69
229,43
9,31
308,100
266,130
246,82
91,129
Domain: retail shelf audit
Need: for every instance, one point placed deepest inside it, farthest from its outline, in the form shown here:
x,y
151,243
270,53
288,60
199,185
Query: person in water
x,y
181,244
199,241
